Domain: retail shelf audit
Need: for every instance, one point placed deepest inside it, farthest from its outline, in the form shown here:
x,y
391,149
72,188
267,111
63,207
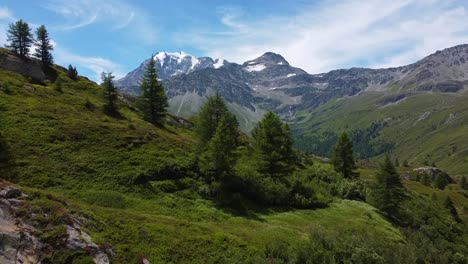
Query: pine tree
x,y
397,162
463,183
72,73
440,181
209,117
19,38
388,191
153,100
58,85
453,211
110,94
219,158
343,157
273,146
43,46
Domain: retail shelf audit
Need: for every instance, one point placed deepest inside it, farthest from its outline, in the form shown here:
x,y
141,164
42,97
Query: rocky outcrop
x,y
20,240
432,172
24,66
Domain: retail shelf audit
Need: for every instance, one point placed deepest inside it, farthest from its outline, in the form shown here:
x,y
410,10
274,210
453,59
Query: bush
x,y
440,181
277,251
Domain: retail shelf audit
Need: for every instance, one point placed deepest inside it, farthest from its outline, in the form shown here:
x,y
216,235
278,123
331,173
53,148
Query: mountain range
x,y
270,83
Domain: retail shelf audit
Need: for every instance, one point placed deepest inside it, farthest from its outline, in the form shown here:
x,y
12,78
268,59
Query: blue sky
x,y
318,36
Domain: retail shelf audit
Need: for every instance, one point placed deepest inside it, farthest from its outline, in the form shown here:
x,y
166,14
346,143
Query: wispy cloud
x,y
97,65
120,15
334,34
6,15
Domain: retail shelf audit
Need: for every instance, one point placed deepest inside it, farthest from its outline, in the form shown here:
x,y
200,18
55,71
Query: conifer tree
x,y
219,158
43,47
19,38
453,211
153,100
388,191
58,85
273,146
209,117
110,94
440,181
463,183
343,157
72,72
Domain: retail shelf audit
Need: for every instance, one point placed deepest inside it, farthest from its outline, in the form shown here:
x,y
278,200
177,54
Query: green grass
x,y
55,141
184,228
80,154
134,183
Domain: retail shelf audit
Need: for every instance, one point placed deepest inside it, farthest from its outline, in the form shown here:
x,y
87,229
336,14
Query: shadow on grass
x,y
7,163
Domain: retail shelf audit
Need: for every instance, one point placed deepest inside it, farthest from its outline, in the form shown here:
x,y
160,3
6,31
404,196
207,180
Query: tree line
x,y
152,102
20,39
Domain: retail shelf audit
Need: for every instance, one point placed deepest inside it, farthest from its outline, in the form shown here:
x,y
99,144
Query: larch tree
x,y
110,94
43,47
387,192
19,38
208,119
343,156
72,73
219,158
273,146
448,204
153,100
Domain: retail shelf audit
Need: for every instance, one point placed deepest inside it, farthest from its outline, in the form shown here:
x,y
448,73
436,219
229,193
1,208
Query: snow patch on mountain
x,y
218,63
256,68
290,75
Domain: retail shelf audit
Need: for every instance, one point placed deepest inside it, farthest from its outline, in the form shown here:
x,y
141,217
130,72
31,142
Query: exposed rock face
x,y
18,237
168,65
22,66
10,192
270,83
432,172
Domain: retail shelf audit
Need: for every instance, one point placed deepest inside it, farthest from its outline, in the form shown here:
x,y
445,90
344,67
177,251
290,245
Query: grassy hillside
x,y
56,140
141,195
425,127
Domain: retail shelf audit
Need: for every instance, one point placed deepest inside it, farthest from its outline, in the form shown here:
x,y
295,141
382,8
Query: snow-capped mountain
x,y
270,83
168,64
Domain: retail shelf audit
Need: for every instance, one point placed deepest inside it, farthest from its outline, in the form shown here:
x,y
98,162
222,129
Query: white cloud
x,y
334,34
119,14
94,64
6,14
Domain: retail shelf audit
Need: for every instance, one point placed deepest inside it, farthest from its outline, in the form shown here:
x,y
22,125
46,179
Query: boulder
x,y
10,192
432,173
24,66
29,88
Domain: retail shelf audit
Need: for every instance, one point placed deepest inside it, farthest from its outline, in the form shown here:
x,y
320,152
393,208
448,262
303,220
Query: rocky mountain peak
x,y
268,59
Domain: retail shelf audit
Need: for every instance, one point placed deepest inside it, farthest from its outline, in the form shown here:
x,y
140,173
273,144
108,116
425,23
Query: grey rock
x,y
10,192
24,66
29,88
432,172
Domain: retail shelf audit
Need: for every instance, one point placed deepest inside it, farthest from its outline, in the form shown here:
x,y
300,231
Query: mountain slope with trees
x,y
171,192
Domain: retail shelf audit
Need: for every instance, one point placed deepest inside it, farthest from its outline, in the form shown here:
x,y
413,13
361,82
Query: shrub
x,y
277,251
